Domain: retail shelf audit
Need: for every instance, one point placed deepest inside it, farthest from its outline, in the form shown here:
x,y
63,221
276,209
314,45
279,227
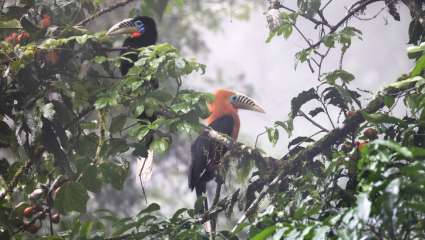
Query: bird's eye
x,y
140,26
233,98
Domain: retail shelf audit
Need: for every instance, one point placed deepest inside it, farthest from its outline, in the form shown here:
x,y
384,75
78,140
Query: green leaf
x,y
396,147
179,3
345,76
71,196
265,233
160,145
100,59
114,174
406,82
309,7
389,101
417,152
184,127
299,140
107,101
417,206
48,111
380,118
90,179
303,55
140,108
118,123
288,126
139,132
149,209
273,135
116,146
177,214
316,111
419,67
329,40
301,99
416,51
83,38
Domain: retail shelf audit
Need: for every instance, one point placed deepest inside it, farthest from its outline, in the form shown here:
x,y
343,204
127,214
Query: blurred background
x,y
229,37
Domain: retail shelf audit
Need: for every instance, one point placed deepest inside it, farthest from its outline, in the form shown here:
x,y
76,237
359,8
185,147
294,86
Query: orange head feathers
x,y
227,102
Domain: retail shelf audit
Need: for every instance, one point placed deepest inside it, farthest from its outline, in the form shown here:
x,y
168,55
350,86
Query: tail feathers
x,y
201,204
200,189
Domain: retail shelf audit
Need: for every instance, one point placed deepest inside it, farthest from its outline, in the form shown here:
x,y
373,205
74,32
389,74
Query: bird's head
x,y
230,101
137,27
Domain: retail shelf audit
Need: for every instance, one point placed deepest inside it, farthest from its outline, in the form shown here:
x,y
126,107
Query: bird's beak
x,y
123,27
243,102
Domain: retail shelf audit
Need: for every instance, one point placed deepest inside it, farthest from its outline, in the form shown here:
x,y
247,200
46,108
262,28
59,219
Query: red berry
x,y
28,212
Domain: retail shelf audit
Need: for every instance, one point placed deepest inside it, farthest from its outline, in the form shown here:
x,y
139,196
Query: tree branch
x,y
103,11
350,13
295,163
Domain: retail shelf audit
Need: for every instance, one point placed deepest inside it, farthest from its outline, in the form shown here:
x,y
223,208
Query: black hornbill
x,y
143,33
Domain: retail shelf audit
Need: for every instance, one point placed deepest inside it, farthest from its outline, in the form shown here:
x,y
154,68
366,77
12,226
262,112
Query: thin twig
x,y
311,19
350,14
326,5
312,121
103,11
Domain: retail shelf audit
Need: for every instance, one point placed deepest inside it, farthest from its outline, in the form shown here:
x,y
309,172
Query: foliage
x,y
70,124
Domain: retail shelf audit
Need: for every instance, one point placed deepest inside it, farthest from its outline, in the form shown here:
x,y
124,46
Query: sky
x,y
240,57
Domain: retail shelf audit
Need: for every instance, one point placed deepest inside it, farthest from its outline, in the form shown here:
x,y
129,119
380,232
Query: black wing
x,y
206,152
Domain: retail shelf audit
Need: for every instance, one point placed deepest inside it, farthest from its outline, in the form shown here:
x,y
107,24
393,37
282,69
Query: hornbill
x,y
143,33
207,152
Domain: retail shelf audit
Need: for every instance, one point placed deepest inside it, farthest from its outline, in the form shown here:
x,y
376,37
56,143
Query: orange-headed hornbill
x,y
206,152
143,33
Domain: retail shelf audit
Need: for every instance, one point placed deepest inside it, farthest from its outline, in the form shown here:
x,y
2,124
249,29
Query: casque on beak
x,y
123,27
243,102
